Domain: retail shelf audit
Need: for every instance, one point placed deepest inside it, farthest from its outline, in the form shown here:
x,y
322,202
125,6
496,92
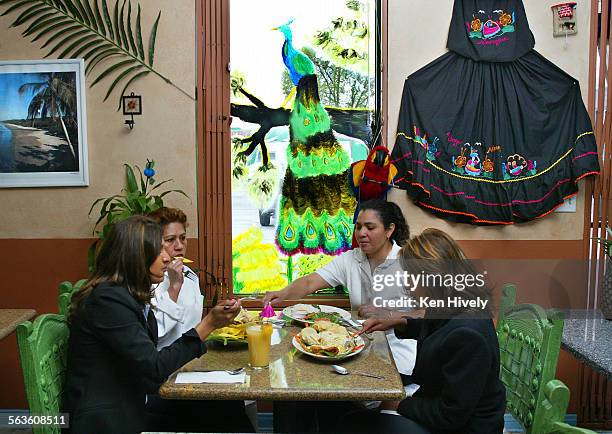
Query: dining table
x,y
11,318
588,336
292,377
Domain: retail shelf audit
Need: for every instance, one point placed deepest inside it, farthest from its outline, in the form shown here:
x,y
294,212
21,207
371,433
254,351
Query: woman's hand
x,y
274,297
376,324
224,312
219,316
176,277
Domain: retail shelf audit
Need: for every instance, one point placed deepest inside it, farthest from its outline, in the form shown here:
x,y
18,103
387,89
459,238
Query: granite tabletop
x,y
293,375
10,318
588,336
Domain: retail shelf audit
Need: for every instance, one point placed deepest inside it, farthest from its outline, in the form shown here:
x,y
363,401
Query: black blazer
x,y
113,362
457,367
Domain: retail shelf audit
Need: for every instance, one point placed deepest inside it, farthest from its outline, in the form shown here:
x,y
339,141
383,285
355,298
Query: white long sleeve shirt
x,y
176,318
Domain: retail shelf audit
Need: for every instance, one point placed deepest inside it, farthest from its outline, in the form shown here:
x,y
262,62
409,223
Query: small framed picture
x,y
43,134
132,104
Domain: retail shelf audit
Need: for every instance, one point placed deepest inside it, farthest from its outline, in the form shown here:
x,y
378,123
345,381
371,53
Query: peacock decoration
x,y
316,207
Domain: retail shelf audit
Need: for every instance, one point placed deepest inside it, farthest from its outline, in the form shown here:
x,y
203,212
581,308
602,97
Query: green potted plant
x,y
138,197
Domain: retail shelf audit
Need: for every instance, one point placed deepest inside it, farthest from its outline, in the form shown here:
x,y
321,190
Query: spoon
x,y
343,371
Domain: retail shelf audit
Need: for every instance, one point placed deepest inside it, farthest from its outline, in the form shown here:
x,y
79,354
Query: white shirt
x,y
352,270
176,318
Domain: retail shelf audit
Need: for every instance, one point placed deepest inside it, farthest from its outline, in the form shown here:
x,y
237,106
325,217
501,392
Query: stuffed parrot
x,y
371,178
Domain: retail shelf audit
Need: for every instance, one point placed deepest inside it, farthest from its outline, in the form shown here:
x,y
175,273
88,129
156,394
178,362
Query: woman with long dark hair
x,y
112,356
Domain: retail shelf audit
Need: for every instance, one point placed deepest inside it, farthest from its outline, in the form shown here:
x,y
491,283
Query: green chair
x,y
529,341
66,289
43,350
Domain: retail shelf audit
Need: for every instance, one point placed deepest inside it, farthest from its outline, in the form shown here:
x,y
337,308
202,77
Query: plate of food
x,y
235,333
309,313
326,340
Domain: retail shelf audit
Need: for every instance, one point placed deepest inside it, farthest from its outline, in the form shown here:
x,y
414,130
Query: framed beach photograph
x,y
43,134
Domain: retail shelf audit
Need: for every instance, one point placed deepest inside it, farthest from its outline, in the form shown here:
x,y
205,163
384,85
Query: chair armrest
x,y
557,396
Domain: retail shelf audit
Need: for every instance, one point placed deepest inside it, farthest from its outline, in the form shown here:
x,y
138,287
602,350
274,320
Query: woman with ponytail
x,y
381,230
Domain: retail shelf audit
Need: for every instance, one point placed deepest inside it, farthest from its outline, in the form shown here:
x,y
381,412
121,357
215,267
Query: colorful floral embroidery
x,y
490,28
518,166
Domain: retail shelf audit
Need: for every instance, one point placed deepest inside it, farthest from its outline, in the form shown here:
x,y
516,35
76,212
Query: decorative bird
x,y
371,178
296,62
315,204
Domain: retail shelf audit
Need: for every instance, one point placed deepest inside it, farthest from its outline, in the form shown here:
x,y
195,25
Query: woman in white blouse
x,y
177,302
178,305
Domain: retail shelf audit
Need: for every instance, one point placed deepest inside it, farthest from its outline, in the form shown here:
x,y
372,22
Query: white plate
x,y
358,339
289,313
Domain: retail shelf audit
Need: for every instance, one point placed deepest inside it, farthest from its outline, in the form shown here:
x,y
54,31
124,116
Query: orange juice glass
x,y
259,338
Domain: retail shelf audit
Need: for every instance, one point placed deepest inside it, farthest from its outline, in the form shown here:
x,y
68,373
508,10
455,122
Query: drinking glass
x,y
259,339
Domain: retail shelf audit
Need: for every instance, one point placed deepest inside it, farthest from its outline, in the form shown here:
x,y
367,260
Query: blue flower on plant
x,y
149,172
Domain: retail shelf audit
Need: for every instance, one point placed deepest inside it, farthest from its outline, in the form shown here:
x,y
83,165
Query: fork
x,y
353,325
249,297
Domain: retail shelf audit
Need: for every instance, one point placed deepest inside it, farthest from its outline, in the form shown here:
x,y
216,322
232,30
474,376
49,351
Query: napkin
x,y
218,377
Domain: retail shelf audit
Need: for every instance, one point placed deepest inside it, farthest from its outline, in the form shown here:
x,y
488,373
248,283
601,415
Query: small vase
x,y
606,291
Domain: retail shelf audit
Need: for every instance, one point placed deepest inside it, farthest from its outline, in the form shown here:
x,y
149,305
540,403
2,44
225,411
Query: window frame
x,y
214,203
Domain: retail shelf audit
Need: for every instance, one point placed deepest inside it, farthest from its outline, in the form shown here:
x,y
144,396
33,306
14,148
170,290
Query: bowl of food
x,y
326,340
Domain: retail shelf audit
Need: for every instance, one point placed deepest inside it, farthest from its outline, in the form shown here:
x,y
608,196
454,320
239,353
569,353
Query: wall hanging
x,y
492,132
132,106
89,29
564,19
43,136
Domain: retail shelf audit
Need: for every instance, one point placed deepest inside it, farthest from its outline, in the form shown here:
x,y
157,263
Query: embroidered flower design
x,y
476,25
505,18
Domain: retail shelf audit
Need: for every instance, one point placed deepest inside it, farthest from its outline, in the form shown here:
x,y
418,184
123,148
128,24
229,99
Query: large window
x,y
305,104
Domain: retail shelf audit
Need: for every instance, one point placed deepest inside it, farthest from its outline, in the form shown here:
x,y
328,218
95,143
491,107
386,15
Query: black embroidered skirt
x,y
492,143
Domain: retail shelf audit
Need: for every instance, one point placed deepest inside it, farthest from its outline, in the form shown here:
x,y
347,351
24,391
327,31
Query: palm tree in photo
x,y
54,96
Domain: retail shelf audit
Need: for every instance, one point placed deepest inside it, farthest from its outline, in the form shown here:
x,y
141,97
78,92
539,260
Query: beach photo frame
x,y
43,131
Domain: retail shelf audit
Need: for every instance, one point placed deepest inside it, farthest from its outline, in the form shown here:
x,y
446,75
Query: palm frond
x,y
107,19
75,28
99,56
152,40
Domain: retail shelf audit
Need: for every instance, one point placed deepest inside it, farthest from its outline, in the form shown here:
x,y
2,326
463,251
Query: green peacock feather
x,y
86,28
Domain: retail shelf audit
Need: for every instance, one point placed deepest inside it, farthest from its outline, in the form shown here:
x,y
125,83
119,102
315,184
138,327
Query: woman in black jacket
x,y
457,365
112,356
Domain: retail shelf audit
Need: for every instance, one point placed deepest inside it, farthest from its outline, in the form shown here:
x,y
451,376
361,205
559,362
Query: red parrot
x,y
371,178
